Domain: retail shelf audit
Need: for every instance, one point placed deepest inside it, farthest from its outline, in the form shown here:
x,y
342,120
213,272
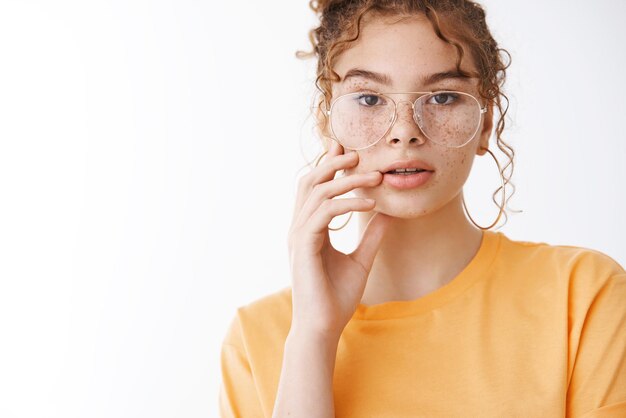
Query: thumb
x,y
371,240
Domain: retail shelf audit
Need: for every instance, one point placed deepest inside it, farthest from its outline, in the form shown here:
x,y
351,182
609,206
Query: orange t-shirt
x,y
525,330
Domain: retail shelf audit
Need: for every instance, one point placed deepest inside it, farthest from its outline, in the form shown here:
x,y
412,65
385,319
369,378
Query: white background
x,y
149,154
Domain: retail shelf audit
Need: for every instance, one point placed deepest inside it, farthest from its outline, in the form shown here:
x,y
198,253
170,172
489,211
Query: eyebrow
x,y
425,80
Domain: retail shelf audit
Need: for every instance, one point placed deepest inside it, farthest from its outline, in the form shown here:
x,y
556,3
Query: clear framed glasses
x,y
446,117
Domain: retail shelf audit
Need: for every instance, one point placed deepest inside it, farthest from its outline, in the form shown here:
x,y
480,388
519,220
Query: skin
x,y
430,240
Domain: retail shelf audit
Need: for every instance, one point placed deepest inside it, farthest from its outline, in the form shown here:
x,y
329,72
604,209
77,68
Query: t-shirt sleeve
x,y
238,397
597,388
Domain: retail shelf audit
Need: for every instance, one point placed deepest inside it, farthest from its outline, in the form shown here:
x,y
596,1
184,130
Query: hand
x,y
328,284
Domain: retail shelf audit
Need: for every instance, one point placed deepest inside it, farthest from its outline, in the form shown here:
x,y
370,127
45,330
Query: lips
x,y
422,165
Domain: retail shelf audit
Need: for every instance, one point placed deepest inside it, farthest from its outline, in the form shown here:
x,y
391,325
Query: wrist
x,y
304,339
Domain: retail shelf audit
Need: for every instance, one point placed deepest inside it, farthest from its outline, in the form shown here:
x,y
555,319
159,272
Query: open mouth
x,y
406,171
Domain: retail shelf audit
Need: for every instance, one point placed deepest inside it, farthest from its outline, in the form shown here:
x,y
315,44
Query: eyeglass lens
x,y
447,118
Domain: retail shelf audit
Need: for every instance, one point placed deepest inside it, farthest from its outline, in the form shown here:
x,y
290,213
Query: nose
x,y
404,127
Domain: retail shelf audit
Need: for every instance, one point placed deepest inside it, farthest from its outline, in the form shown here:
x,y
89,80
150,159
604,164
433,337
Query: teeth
x,y
406,170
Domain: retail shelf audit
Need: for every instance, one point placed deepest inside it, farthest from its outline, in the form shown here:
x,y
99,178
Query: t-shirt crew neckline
x,y
474,270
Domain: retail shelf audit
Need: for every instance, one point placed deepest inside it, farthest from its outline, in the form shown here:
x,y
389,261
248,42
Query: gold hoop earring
x,y
349,216
501,206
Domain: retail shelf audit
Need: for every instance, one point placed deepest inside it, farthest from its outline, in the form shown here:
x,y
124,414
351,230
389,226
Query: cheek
x,y
456,166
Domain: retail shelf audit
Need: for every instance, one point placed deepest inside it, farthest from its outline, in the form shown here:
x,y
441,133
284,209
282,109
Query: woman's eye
x,y
443,98
369,99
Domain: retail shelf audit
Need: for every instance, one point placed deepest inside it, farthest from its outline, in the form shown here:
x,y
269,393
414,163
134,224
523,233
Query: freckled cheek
x,y
451,127
360,129
463,168
455,166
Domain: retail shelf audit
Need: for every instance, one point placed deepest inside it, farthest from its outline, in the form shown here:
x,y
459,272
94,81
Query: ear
x,y
485,132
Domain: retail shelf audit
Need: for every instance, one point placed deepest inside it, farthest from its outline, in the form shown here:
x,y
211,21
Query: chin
x,y
402,210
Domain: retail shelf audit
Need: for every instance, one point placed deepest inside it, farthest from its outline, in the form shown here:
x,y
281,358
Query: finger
x,y
333,188
340,150
320,174
371,239
335,148
327,170
319,221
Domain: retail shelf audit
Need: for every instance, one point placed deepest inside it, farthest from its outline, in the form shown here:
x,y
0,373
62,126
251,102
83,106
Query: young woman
x,y
432,315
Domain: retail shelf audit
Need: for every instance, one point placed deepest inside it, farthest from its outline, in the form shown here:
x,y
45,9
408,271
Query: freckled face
x,y
406,51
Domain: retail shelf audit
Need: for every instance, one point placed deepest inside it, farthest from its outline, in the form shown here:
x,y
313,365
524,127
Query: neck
x,y
419,255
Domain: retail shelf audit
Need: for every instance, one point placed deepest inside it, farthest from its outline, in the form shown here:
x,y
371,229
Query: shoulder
x,y
559,256
275,304
582,269
268,317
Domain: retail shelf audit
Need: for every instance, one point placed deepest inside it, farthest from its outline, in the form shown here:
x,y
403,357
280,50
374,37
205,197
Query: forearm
x,y
305,388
